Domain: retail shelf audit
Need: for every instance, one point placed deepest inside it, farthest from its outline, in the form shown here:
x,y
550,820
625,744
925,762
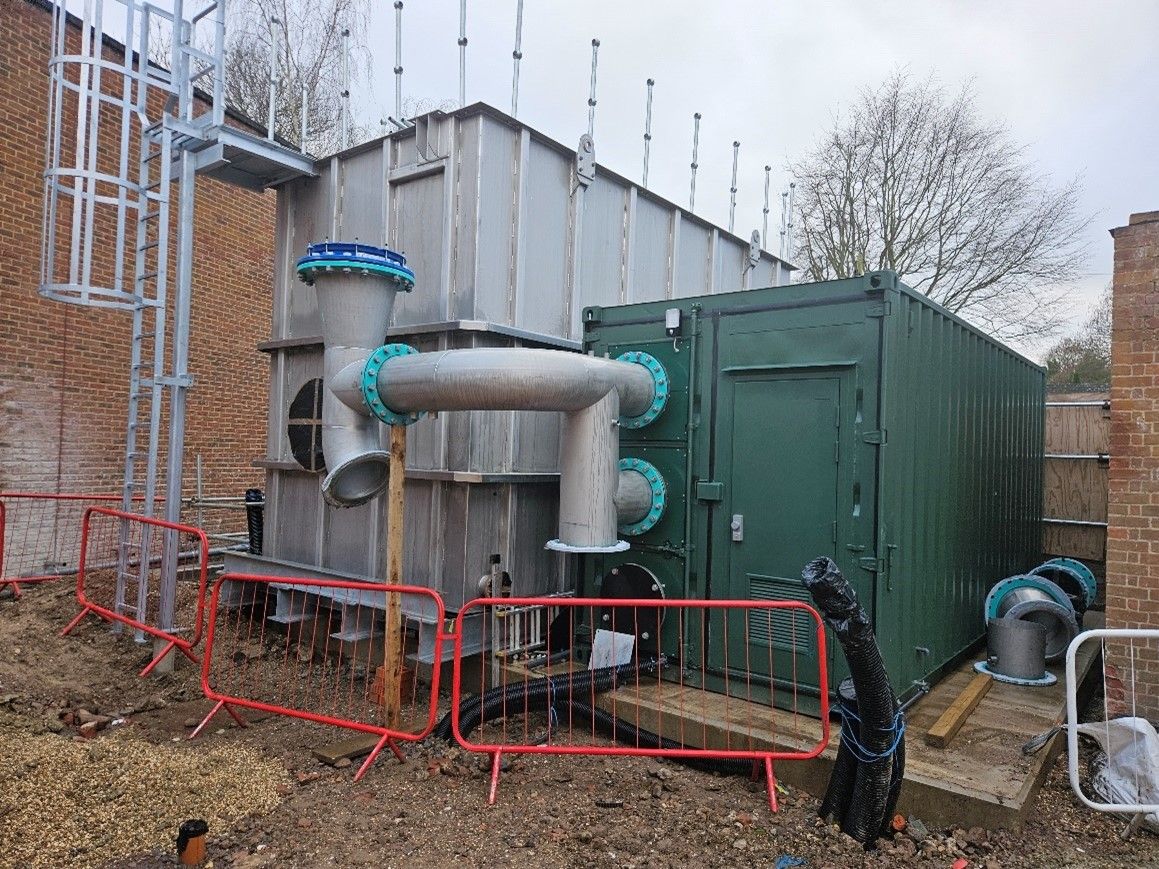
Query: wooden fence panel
x,y
1078,434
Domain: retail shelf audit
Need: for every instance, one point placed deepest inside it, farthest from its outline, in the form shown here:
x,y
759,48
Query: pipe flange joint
x,y
1003,588
660,388
353,258
659,496
1077,571
369,384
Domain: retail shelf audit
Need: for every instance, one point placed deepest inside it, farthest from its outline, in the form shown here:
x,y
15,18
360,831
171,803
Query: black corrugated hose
x,y
876,742
566,697
840,790
255,503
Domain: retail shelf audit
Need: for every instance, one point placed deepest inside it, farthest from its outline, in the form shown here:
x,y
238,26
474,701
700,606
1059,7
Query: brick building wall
x,y
1133,510
64,369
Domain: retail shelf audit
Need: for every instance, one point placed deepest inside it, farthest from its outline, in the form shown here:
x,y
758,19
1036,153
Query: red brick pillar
x,y
1133,508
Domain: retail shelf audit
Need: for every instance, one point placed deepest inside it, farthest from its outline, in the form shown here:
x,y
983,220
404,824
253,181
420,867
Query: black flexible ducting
x,y
566,695
840,790
877,709
897,774
533,695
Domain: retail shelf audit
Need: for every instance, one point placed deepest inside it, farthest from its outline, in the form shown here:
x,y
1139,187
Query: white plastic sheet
x,y
1130,776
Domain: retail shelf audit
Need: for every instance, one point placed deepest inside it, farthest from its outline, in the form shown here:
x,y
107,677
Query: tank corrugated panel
x,y
491,218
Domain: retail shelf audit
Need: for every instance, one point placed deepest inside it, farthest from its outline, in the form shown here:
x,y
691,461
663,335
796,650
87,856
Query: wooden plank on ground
x,y
355,746
956,713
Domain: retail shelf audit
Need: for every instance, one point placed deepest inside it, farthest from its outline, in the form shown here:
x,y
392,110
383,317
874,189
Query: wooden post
x,y
392,665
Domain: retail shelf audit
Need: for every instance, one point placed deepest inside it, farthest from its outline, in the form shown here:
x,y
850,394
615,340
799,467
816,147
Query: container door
x,y
783,512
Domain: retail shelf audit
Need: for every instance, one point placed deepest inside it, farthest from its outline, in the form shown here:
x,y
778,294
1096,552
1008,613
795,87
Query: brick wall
x,y
64,369
1133,511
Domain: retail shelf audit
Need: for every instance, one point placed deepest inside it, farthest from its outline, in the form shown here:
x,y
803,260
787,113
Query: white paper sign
x,y
610,649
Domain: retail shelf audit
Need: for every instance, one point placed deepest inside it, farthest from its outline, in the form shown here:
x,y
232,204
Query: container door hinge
x,y
876,437
709,490
871,563
879,309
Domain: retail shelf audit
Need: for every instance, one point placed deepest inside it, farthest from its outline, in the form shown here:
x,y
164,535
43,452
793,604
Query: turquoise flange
x,y
659,496
370,370
1076,570
660,388
1001,589
307,271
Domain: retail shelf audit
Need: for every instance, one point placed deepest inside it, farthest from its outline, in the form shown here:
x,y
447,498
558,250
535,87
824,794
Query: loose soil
x,y
117,799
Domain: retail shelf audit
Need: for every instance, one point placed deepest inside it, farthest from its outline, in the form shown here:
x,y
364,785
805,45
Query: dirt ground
x,y
117,799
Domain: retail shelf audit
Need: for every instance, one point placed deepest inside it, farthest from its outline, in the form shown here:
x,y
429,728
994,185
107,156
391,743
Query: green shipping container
x,y
851,418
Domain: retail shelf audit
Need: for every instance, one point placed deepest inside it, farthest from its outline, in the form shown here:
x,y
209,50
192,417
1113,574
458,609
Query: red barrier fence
x,y
120,573
314,649
40,535
706,681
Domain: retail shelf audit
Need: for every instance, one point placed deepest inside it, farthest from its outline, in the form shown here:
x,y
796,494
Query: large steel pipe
x,y
591,392
498,378
355,285
633,497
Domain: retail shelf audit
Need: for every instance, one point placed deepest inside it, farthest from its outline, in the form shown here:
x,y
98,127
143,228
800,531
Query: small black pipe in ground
x,y
880,726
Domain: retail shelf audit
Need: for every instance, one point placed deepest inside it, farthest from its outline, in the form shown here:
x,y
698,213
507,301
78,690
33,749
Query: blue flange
x,y
659,495
1004,587
660,388
370,370
352,257
1078,571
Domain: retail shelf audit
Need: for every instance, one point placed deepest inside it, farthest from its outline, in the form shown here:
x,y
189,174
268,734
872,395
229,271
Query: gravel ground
x,y
121,795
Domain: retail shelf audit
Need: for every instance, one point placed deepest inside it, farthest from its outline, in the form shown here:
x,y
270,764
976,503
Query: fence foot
x,y
495,761
157,659
160,656
386,740
79,618
221,704
396,750
771,783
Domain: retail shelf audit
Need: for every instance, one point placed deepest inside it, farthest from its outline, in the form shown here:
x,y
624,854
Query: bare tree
x,y
1084,358
915,181
308,35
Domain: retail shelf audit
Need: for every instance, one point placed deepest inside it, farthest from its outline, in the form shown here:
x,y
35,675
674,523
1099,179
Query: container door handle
x,y
737,527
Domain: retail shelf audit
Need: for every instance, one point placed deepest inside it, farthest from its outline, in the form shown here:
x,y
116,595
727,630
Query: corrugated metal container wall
x,y
961,498
854,419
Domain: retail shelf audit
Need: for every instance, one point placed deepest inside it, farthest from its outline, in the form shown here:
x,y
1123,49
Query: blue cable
x,y
859,751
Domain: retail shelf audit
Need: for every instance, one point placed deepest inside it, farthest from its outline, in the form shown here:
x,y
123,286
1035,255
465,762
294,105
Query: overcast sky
x,y
1077,82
